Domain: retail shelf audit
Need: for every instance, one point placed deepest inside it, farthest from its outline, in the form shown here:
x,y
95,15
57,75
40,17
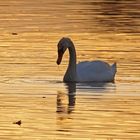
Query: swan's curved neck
x,y
70,75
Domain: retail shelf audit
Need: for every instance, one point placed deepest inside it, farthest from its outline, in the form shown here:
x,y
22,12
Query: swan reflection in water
x,y
66,101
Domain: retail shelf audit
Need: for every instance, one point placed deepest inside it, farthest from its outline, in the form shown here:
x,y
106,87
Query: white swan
x,y
94,71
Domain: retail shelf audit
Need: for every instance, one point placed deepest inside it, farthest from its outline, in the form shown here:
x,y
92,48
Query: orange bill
x,y
59,59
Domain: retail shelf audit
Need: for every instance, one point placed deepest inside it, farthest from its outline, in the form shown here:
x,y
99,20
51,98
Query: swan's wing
x,y
94,66
94,71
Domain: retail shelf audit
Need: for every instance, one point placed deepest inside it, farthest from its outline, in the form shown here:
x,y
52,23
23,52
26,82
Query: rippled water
x,y
31,83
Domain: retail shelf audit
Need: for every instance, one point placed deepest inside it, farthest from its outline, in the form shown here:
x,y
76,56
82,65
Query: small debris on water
x,y
18,122
43,97
14,33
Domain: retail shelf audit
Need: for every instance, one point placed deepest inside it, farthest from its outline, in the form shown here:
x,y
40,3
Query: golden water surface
x,y
31,87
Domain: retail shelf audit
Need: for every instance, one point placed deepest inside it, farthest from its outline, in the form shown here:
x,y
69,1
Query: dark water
x,y
31,83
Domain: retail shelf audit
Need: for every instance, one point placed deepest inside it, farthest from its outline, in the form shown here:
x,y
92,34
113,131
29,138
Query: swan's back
x,y
96,71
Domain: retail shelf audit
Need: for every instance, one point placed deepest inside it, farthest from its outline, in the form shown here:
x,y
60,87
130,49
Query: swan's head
x,y
63,44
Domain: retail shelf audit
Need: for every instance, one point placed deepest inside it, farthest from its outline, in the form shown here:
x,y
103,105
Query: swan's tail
x,y
114,68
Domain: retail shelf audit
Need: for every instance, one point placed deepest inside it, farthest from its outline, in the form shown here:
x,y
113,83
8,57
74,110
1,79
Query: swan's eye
x,y
60,50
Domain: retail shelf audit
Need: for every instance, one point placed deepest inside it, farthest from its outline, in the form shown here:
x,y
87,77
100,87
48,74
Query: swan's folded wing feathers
x,y
93,66
94,70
